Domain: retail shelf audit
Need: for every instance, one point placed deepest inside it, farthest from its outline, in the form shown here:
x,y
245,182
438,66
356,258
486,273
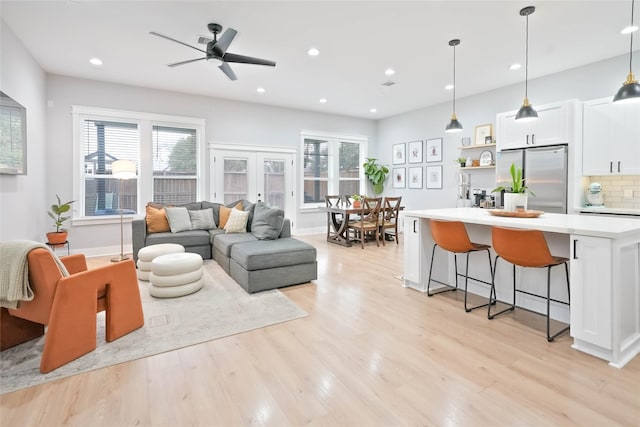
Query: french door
x,y
254,174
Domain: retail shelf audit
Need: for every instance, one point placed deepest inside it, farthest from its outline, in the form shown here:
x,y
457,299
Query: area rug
x,y
221,308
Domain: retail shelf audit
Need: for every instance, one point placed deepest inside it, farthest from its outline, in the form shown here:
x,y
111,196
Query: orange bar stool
x,y
526,248
452,237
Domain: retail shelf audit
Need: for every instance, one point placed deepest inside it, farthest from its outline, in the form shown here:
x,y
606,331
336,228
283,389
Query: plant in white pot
x,y
515,196
56,213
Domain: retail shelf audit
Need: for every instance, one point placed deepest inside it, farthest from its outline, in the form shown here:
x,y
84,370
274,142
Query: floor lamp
x,y
122,169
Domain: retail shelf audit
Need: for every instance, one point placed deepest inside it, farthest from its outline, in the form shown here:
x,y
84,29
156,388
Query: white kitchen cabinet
x,y
591,290
554,126
412,253
611,138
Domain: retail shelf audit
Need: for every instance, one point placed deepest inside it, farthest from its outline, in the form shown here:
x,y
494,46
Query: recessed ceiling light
x,y
515,66
390,71
630,29
313,52
323,100
448,87
260,90
95,61
373,110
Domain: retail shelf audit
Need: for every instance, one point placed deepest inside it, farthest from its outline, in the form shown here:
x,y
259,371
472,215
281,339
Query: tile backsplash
x,y
620,191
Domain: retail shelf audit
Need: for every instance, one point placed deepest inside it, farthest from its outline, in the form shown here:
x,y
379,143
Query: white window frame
x,y
145,122
333,174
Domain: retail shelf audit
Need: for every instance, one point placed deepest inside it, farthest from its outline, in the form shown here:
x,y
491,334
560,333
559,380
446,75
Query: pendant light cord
x,y
631,37
526,63
454,79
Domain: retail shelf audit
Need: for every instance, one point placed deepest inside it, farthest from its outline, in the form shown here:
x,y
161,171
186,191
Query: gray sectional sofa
x,y
263,257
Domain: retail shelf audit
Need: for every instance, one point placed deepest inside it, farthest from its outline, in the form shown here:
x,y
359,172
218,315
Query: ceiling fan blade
x,y
177,41
228,71
232,57
175,64
222,45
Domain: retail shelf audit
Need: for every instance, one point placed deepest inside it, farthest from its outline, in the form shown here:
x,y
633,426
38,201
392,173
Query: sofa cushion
x,y
202,219
225,212
259,255
224,242
267,222
156,220
248,207
216,210
179,219
186,238
213,233
237,222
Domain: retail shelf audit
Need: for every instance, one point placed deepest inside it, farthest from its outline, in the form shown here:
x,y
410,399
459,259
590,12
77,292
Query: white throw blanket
x,y
14,271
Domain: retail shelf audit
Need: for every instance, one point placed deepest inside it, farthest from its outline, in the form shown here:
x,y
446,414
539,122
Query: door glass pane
x,y
274,184
235,179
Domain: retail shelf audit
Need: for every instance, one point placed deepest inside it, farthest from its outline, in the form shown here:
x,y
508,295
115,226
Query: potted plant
x,y
356,200
515,196
376,174
460,161
56,213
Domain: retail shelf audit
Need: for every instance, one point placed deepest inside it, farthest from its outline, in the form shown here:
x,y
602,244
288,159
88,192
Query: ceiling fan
x,y
217,50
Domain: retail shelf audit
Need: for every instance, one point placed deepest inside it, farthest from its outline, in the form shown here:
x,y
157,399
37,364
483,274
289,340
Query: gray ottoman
x,y
269,264
175,275
148,253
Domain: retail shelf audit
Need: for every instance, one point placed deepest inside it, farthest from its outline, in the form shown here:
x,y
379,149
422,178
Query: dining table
x,y
338,221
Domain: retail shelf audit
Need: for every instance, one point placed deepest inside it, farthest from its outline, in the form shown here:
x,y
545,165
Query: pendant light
x,y
526,112
630,90
454,125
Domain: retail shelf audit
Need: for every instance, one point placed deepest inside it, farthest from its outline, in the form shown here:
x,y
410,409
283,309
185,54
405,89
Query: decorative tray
x,y
517,214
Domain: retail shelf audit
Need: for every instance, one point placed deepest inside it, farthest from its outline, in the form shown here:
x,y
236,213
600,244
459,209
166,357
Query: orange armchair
x,y
68,305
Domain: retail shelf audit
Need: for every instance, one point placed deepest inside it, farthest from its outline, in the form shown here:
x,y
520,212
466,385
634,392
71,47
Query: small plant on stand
x,y
57,214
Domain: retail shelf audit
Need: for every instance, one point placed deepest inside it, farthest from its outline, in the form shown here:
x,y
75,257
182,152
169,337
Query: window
x,y
165,149
331,165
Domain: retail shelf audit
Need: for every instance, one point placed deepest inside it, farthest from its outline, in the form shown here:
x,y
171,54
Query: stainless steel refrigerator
x,y
545,173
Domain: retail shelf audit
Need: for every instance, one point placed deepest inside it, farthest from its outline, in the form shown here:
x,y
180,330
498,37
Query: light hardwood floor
x,y
370,353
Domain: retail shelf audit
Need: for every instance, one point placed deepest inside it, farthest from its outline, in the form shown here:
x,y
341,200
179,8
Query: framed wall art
x,y
434,176
399,178
398,154
415,152
484,134
415,177
434,150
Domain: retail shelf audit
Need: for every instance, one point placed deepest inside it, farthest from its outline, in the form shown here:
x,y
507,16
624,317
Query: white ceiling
x,y
358,40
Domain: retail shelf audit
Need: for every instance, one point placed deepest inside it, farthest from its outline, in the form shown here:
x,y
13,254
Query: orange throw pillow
x,y
225,212
156,220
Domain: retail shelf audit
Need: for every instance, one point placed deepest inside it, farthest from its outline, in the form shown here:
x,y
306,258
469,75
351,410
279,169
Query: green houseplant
x,y
357,200
57,214
516,195
376,174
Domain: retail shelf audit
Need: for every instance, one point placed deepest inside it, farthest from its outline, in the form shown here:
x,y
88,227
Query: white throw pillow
x,y
237,222
179,219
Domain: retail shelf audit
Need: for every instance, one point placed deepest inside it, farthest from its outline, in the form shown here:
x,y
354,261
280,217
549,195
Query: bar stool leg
x,y
466,279
550,337
493,296
449,288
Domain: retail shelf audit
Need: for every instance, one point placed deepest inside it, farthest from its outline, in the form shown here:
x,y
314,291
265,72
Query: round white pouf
x,y
149,253
175,275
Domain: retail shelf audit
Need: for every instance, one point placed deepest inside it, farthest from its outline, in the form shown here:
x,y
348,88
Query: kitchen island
x,y
604,264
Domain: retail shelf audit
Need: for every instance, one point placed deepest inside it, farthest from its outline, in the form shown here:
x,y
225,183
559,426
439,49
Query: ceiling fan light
x,y
215,61
454,125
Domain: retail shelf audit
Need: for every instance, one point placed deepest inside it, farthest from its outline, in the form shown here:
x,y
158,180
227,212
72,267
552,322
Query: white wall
x,y
226,122
24,199
592,81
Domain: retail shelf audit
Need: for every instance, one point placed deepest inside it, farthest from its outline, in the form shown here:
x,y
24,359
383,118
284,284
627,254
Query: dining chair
x,y
391,210
332,201
526,248
452,237
369,221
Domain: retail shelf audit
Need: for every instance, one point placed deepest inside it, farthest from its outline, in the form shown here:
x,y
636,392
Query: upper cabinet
x,y
554,126
611,138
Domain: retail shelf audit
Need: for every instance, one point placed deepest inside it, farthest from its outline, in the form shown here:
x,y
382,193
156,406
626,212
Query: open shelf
x,y
478,167
477,146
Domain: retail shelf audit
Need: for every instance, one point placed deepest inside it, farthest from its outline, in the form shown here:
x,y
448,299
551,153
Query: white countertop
x,y
586,225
